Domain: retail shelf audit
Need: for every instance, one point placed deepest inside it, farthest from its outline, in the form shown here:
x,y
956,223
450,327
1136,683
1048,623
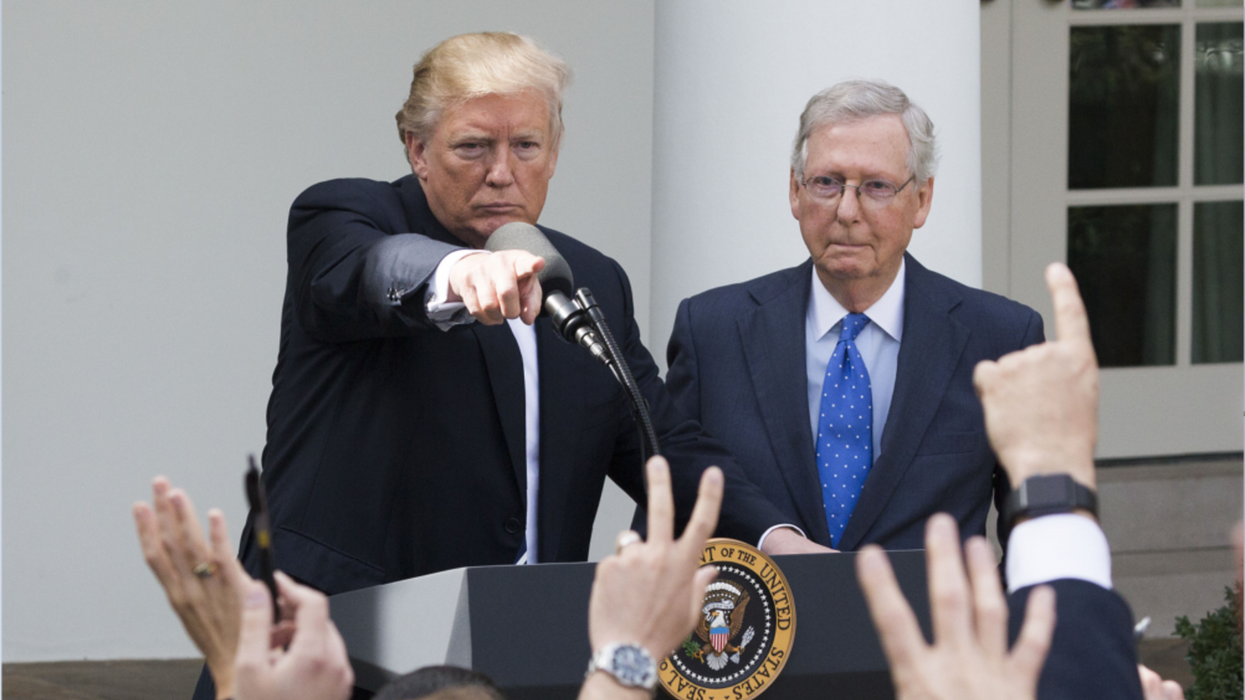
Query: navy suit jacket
x,y
737,365
1093,654
396,449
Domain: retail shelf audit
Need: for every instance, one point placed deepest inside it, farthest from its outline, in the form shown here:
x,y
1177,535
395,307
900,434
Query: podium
x,y
527,627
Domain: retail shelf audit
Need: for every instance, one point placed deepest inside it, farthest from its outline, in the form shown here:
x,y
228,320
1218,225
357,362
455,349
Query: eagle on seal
x,y
722,618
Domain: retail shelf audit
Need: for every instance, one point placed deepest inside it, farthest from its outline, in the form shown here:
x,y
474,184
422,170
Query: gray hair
x,y
852,100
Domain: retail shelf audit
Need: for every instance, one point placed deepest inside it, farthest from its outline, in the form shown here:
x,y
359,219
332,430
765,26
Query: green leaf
x,y
1215,651
690,646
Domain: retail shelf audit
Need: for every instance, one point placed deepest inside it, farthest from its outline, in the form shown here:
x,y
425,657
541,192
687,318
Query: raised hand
x,y
969,659
204,583
650,593
314,666
1041,403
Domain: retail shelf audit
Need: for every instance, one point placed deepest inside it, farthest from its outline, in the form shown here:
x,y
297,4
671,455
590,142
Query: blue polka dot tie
x,y
845,428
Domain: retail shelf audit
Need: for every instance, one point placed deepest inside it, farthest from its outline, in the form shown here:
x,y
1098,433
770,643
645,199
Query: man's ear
x,y
795,196
924,198
416,152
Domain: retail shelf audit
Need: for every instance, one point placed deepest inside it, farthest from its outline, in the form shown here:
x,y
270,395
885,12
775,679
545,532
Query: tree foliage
x,y
1215,651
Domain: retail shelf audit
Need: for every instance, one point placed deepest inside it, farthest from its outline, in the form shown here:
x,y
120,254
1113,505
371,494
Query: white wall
x,y
731,80
151,152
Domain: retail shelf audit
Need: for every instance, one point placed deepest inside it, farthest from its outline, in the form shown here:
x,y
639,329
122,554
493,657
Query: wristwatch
x,y
1046,495
630,664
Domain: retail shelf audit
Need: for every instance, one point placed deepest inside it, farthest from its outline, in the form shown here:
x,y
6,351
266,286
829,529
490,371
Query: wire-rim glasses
x,y
873,194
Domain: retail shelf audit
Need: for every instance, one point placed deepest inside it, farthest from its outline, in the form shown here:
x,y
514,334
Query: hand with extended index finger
x,y
204,584
650,592
969,659
498,286
1041,403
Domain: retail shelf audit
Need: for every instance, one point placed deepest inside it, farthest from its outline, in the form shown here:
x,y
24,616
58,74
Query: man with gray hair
x,y
843,386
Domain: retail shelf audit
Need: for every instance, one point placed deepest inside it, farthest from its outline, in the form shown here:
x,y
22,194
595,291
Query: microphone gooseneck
x,y
622,372
573,324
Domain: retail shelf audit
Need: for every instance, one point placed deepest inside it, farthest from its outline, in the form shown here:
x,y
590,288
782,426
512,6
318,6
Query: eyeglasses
x,y
873,194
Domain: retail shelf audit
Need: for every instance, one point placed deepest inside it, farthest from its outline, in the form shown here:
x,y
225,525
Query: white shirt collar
x,y
824,311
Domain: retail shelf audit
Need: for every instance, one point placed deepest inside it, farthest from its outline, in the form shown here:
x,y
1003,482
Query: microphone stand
x,y
617,364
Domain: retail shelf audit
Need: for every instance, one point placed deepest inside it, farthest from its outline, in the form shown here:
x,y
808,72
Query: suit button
x,y
512,525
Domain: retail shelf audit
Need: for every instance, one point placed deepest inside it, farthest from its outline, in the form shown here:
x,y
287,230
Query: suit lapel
x,y
931,348
505,374
772,336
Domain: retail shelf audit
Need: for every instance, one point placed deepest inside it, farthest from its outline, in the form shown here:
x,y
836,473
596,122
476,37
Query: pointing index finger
x,y
528,264
1071,322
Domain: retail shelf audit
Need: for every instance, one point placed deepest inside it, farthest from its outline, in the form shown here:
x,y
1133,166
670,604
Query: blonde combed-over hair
x,y
474,65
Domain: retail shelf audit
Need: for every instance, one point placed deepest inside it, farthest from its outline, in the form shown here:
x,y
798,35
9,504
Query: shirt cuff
x,y
446,314
1054,547
761,542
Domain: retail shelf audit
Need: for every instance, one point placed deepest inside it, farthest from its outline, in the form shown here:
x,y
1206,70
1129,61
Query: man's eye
x,y
469,146
877,187
827,184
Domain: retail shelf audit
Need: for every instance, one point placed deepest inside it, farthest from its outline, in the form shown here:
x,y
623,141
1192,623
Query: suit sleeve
x,y
1093,654
354,274
746,513
683,377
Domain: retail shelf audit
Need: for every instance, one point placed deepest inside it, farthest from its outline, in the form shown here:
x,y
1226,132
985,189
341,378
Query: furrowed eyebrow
x,y
471,138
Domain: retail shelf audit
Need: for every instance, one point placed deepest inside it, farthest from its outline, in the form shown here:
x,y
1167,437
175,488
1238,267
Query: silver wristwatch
x,y
630,664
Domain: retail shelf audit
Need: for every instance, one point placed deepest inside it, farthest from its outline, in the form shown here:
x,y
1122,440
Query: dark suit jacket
x,y
1093,654
737,364
396,449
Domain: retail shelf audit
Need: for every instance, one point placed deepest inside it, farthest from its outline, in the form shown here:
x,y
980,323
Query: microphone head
x,y
518,235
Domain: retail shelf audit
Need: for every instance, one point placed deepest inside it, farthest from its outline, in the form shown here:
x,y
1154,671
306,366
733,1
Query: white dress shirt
x,y
1055,547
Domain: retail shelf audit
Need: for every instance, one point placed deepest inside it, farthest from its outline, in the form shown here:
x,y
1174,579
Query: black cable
x,y
639,405
622,372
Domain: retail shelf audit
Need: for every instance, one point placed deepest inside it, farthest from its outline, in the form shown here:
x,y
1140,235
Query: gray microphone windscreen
x,y
518,235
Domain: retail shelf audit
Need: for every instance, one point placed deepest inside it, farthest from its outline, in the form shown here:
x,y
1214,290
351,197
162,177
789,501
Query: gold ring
x,y
624,539
205,569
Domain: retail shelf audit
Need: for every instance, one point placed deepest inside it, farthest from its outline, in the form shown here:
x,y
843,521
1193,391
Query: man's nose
x,y
849,204
500,173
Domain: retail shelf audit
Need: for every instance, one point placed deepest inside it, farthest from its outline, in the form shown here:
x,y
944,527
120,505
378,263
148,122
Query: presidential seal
x,y
744,634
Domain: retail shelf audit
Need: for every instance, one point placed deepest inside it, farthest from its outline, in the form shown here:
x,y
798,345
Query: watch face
x,y
633,666
1048,491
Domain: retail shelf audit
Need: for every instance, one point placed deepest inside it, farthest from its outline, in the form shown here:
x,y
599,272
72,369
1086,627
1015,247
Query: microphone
x,y
575,314
571,322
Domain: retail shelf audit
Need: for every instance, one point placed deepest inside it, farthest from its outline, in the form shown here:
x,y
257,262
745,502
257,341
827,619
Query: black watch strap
x,y
1046,495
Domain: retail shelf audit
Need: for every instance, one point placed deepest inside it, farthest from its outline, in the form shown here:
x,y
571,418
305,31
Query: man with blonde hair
x,y
422,417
